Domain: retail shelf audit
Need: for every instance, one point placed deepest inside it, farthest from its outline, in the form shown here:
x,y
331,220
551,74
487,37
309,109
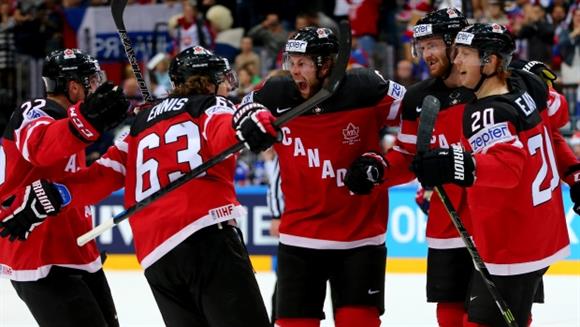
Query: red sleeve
x,y
218,130
44,141
392,107
398,171
501,166
557,109
565,158
92,184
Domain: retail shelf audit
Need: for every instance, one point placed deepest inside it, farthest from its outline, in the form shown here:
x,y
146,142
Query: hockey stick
x,y
429,111
330,86
117,9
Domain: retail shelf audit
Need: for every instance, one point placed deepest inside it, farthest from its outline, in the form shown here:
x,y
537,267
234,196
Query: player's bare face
x,y
433,52
224,88
303,71
468,66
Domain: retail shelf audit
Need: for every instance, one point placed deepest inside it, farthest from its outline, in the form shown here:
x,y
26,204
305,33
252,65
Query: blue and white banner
x,y
405,236
97,33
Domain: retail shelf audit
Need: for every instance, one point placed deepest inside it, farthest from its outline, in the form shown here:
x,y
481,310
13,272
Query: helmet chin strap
x,y
482,79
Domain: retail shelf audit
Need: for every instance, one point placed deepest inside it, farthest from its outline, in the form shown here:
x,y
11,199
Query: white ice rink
x,y
405,305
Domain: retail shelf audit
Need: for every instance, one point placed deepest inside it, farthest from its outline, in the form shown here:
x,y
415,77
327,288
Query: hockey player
x,y
511,177
449,265
62,284
326,233
193,256
557,115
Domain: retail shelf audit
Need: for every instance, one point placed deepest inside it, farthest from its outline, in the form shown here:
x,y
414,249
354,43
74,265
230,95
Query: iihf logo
x,y
451,13
322,33
199,50
69,54
350,134
5,270
495,28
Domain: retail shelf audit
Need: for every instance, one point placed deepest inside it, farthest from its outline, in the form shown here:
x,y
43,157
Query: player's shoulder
x,y
41,107
362,88
33,109
532,84
193,105
412,101
365,83
517,107
276,92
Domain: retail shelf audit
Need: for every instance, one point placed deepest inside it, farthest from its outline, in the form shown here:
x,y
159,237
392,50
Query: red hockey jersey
x,y
441,234
316,151
164,142
38,143
515,202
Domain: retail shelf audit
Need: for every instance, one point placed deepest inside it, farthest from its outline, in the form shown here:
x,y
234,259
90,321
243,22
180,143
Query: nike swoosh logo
x,y
418,109
472,298
371,292
281,110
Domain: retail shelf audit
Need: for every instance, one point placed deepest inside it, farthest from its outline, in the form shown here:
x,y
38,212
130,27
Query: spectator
x,y
358,56
317,19
189,29
246,86
247,55
227,39
364,18
272,35
538,33
495,13
7,64
159,68
569,43
404,74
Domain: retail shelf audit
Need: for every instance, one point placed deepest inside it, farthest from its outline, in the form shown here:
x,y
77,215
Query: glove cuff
x,y
79,126
572,175
377,156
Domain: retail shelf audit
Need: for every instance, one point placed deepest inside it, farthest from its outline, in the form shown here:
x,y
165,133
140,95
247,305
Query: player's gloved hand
x,y
440,166
102,110
365,172
254,127
572,178
27,209
542,70
423,199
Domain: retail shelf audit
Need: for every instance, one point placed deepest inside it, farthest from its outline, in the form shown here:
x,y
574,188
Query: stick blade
x,y
429,111
117,9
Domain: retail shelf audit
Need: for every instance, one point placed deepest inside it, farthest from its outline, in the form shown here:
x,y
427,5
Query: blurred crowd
x,y
252,33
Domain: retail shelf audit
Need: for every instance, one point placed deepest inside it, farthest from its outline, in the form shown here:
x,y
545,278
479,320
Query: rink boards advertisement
x,y
405,236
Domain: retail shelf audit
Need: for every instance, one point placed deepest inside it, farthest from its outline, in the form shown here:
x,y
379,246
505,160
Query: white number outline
x,y
188,155
535,145
2,165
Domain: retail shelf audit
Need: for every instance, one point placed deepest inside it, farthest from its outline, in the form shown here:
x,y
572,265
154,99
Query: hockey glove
x,y
423,199
365,172
573,179
253,125
440,166
29,207
102,110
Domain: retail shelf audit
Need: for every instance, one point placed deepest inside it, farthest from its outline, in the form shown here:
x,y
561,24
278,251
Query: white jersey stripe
x,y
114,165
313,243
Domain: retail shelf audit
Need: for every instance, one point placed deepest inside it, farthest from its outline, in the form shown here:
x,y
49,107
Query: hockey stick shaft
x,y
477,260
429,111
330,86
117,10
